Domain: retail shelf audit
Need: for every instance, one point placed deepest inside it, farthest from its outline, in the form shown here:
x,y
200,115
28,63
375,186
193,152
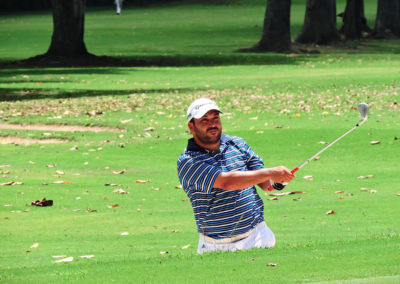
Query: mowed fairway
x,y
119,214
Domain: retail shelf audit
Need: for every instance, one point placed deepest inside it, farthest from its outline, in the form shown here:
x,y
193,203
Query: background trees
x,y
387,19
68,23
276,31
319,23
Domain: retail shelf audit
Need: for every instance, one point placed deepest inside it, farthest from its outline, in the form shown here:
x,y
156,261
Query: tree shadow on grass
x,y
178,60
12,95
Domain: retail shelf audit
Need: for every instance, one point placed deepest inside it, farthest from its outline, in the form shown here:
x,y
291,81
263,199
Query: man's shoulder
x,y
190,154
236,140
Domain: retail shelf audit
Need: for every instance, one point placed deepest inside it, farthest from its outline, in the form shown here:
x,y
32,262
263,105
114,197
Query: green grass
x,y
283,105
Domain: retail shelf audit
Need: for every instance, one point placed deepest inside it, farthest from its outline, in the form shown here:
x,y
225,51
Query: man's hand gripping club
x,y
238,180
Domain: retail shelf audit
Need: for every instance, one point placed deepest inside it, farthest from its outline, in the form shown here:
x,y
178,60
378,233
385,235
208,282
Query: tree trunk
x,y
354,21
68,23
319,23
387,19
276,31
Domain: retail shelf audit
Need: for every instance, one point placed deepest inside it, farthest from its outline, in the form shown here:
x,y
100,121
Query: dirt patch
x,y
59,127
28,141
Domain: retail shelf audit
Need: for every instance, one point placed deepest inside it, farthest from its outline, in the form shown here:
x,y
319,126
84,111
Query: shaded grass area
x,y
170,35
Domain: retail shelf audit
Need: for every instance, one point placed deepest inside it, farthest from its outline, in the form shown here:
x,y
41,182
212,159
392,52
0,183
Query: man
x,y
219,173
118,4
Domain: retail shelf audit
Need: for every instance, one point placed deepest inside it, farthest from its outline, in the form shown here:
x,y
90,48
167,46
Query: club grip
x,y
280,186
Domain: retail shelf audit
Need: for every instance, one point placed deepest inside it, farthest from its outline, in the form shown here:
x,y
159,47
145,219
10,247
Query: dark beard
x,y
206,140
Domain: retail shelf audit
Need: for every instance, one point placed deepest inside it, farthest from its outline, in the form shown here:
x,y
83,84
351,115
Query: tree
x,y
68,23
319,23
354,21
387,19
276,31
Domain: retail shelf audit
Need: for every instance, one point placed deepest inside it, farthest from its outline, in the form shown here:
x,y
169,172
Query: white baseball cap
x,y
200,107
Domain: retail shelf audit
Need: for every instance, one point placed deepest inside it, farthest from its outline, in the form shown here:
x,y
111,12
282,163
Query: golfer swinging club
x,y
219,173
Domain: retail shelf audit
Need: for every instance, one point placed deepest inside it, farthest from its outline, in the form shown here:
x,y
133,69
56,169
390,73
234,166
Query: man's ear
x,y
191,127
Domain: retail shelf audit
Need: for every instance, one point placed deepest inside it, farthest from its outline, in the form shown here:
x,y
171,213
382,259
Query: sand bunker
x,y
28,141
49,127
60,127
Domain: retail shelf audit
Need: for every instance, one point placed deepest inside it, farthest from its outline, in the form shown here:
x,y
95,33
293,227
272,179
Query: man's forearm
x,y
237,180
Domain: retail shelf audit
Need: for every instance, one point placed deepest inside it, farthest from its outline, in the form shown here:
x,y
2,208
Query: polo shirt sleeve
x,y
197,175
254,162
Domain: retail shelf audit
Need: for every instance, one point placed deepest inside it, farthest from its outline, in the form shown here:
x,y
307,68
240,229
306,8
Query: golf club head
x,y
363,109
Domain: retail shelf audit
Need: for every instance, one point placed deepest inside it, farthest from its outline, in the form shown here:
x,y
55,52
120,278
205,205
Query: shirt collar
x,y
192,145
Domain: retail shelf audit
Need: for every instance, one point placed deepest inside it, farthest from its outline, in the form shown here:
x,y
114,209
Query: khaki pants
x,y
259,237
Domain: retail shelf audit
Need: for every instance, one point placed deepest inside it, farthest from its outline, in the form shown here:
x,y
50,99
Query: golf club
x,y
363,109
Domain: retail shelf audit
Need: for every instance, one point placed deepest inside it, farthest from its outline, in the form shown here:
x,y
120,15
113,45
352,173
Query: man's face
x,y
208,129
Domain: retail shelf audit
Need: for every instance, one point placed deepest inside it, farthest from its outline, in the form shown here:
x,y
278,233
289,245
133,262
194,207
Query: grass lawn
x,y
285,106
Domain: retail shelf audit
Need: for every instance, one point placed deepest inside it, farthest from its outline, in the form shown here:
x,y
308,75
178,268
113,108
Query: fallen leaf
x,y
156,188
75,148
340,191
279,194
60,172
298,199
273,198
186,246
42,203
59,256
62,182
12,183
139,210
124,234
142,181
330,212
163,252
119,172
364,177
178,187
111,184
284,193
323,142
7,205
52,166
375,142
398,194
35,245
308,177
115,205
68,259
272,264
120,191
149,129
372,191
87,256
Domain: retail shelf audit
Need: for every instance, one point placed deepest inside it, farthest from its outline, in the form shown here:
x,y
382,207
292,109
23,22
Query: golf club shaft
x,y
327,146
320,151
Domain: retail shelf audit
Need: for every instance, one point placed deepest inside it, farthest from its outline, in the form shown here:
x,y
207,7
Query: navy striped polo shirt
x,y
220,213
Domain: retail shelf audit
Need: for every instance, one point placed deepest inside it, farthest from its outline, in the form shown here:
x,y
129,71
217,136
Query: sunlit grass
x,y
284,107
